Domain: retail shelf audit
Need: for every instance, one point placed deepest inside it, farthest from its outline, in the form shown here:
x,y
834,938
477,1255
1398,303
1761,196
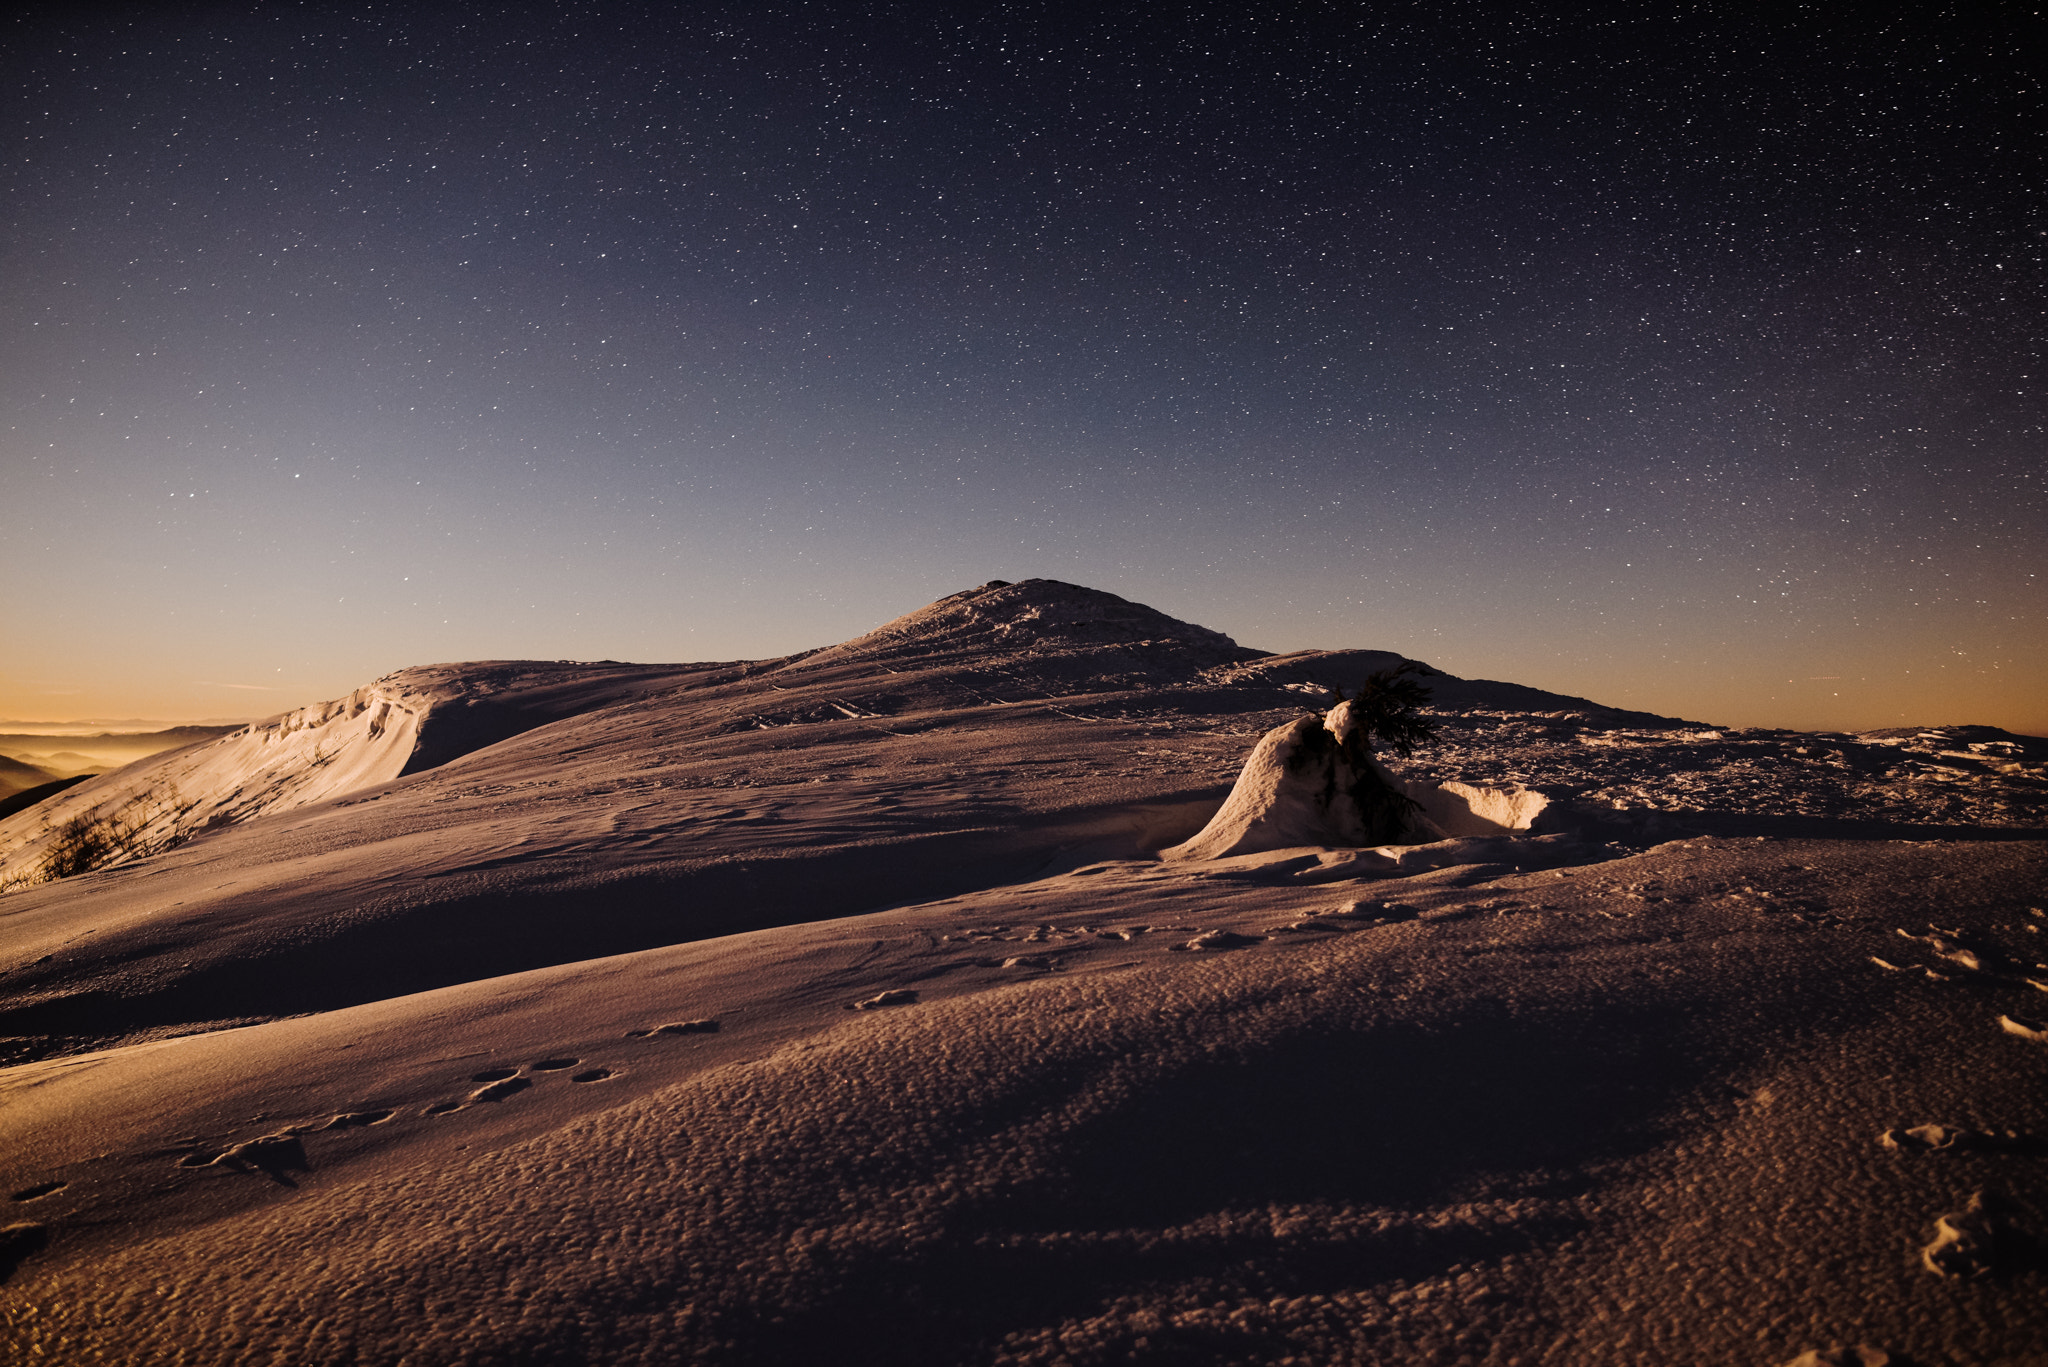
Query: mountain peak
x,y
1035,617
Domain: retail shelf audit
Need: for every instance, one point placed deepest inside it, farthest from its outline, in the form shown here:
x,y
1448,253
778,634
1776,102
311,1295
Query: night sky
x,y
1685,360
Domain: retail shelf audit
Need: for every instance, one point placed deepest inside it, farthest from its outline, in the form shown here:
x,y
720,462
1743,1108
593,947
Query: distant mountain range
x,y
16,776
63,755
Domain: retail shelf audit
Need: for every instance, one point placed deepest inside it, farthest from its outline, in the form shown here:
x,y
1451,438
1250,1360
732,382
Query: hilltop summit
x,y
1040,617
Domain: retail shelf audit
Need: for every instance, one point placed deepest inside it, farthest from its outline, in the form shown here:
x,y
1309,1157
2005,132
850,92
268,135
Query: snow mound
x,y
1469,809
1314,782
1036,617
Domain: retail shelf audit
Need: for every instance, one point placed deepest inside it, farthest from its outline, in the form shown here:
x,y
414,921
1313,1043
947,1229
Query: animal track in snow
x,y
356,1119
493,1075
554,1065
39,1191
592,1075
895,996
442,1108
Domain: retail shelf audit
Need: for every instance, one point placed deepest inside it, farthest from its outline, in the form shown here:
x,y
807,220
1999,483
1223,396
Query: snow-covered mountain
x,y
842,1006
1033,641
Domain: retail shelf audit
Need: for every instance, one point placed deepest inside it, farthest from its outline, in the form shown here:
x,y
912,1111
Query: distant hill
x,y
29,797
63,754
68,762
16,776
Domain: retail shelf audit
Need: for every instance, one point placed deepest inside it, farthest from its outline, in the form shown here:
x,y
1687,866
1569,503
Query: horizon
x,y
61,726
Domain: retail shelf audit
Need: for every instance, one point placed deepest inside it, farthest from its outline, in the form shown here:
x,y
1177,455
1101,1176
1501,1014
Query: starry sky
x,y
1685,359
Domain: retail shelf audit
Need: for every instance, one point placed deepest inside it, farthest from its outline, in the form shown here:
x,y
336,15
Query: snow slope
x,y
1127,1113
403,723
839,1007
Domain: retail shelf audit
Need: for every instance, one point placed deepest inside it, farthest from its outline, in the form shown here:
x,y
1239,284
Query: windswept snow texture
x,y
840,1008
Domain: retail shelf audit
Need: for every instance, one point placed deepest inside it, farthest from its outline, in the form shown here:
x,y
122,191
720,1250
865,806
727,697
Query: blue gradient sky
x,y
1686,362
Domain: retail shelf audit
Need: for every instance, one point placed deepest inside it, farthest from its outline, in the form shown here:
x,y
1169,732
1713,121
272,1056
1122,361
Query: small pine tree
x,y
1387,709
1385,712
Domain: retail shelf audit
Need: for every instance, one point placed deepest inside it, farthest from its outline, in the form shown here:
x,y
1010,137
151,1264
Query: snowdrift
x,y
404,723
1312,782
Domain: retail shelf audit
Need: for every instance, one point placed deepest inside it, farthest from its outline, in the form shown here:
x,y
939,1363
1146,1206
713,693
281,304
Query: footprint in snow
x,y
501,1088
1948,945
1221,939
1382,913
2024,1027
17,1242
1927,1138
1962,1246
274,1155
355,1119
270,1152
698,1027
895,996
1862,1355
